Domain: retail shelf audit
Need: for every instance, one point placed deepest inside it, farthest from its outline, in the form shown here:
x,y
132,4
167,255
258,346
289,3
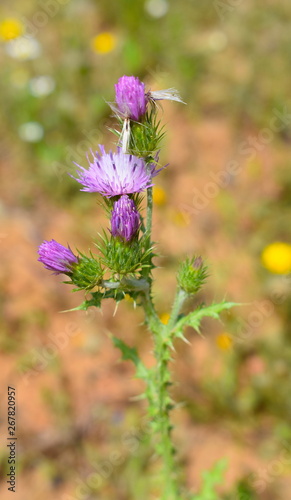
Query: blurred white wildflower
x,y
31,132
157,8
41,86
23,48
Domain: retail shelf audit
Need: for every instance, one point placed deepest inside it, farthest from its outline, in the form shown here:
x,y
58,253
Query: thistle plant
x,y
123,262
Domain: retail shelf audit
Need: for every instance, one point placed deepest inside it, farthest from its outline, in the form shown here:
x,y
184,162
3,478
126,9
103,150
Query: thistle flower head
x,y
130,97
114,174
57,258
125,219
131,102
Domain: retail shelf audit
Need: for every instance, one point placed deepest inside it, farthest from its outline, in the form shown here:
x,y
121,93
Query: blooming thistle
x,y
114,174
131,101
125,219
57,258
125,262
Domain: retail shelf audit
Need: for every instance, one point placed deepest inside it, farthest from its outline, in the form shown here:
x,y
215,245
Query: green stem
x,y
149,212
152,318
148,241
166,447
160,408
180,298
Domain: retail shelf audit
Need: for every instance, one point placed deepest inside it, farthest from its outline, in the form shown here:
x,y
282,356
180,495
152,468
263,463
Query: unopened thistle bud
x,y
125,219
57,258
130,97
192,275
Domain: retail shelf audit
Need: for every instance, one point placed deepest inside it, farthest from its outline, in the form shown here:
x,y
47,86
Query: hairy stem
x,y
160,408
164,406
180,298
149,212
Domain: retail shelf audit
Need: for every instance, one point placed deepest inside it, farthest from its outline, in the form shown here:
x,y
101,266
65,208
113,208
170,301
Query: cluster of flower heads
x,y
120,176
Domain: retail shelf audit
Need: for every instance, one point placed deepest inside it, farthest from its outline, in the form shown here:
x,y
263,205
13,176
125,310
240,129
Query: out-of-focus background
x,y
225,195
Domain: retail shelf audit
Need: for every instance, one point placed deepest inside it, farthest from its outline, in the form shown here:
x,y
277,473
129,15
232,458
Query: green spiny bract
x,y
145,137
122,258
87,274
192,275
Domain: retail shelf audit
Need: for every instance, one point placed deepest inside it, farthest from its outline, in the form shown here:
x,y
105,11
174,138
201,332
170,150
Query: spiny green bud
x,y
87,273
192,275
124,258
145,137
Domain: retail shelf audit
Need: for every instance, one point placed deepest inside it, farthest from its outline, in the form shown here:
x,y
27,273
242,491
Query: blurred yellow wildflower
x,y
224,341
10,29
164,317
181,219
276,257
159,196
104,42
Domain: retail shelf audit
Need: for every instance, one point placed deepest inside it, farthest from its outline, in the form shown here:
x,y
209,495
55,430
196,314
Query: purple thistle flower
x,y
125,219
113,174
55,257
130,97
131,102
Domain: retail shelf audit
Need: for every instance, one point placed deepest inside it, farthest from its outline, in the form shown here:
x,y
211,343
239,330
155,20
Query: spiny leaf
x,y
112,293
81,307
94,302
131,354
97,298
211,479
194,318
